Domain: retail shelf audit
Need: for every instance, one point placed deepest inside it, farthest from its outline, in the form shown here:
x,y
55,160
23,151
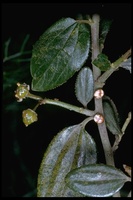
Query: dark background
x,y
23,148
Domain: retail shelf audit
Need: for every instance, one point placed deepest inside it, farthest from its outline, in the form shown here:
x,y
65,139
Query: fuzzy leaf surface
x,y
70,148
96,180
111,116
59,53
84,86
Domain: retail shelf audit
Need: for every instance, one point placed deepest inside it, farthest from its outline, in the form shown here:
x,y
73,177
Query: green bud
x,y
29,116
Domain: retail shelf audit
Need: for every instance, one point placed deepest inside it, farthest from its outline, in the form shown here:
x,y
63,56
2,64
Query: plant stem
x,y
95,44
15,55
104,135
89,21
88,119
98,102
6,47
126,123
35,97
20,53
114,67
70,107
56,102
119,137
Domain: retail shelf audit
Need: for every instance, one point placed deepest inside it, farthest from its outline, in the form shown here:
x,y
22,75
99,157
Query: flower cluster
x,y
29,116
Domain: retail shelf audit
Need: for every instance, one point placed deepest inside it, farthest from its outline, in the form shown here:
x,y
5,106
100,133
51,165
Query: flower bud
x,y
29,116
22,91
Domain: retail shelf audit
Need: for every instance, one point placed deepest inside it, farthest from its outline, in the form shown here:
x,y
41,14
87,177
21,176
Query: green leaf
x,y
102,62
111,116
84,86
70,148
96,180
59,53
104,29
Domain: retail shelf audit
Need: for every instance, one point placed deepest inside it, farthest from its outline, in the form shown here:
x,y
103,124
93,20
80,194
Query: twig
x,y
126,123
89,21
20,53
56,102
70,107
6,47
24,42
15,55
114,67
119,137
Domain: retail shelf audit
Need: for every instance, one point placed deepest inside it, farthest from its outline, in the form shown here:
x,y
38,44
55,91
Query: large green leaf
x,y
59,53
111,116
72,147
84,86
96,180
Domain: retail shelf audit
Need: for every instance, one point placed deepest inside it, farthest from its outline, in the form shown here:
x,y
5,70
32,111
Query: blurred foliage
x,y
15,69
